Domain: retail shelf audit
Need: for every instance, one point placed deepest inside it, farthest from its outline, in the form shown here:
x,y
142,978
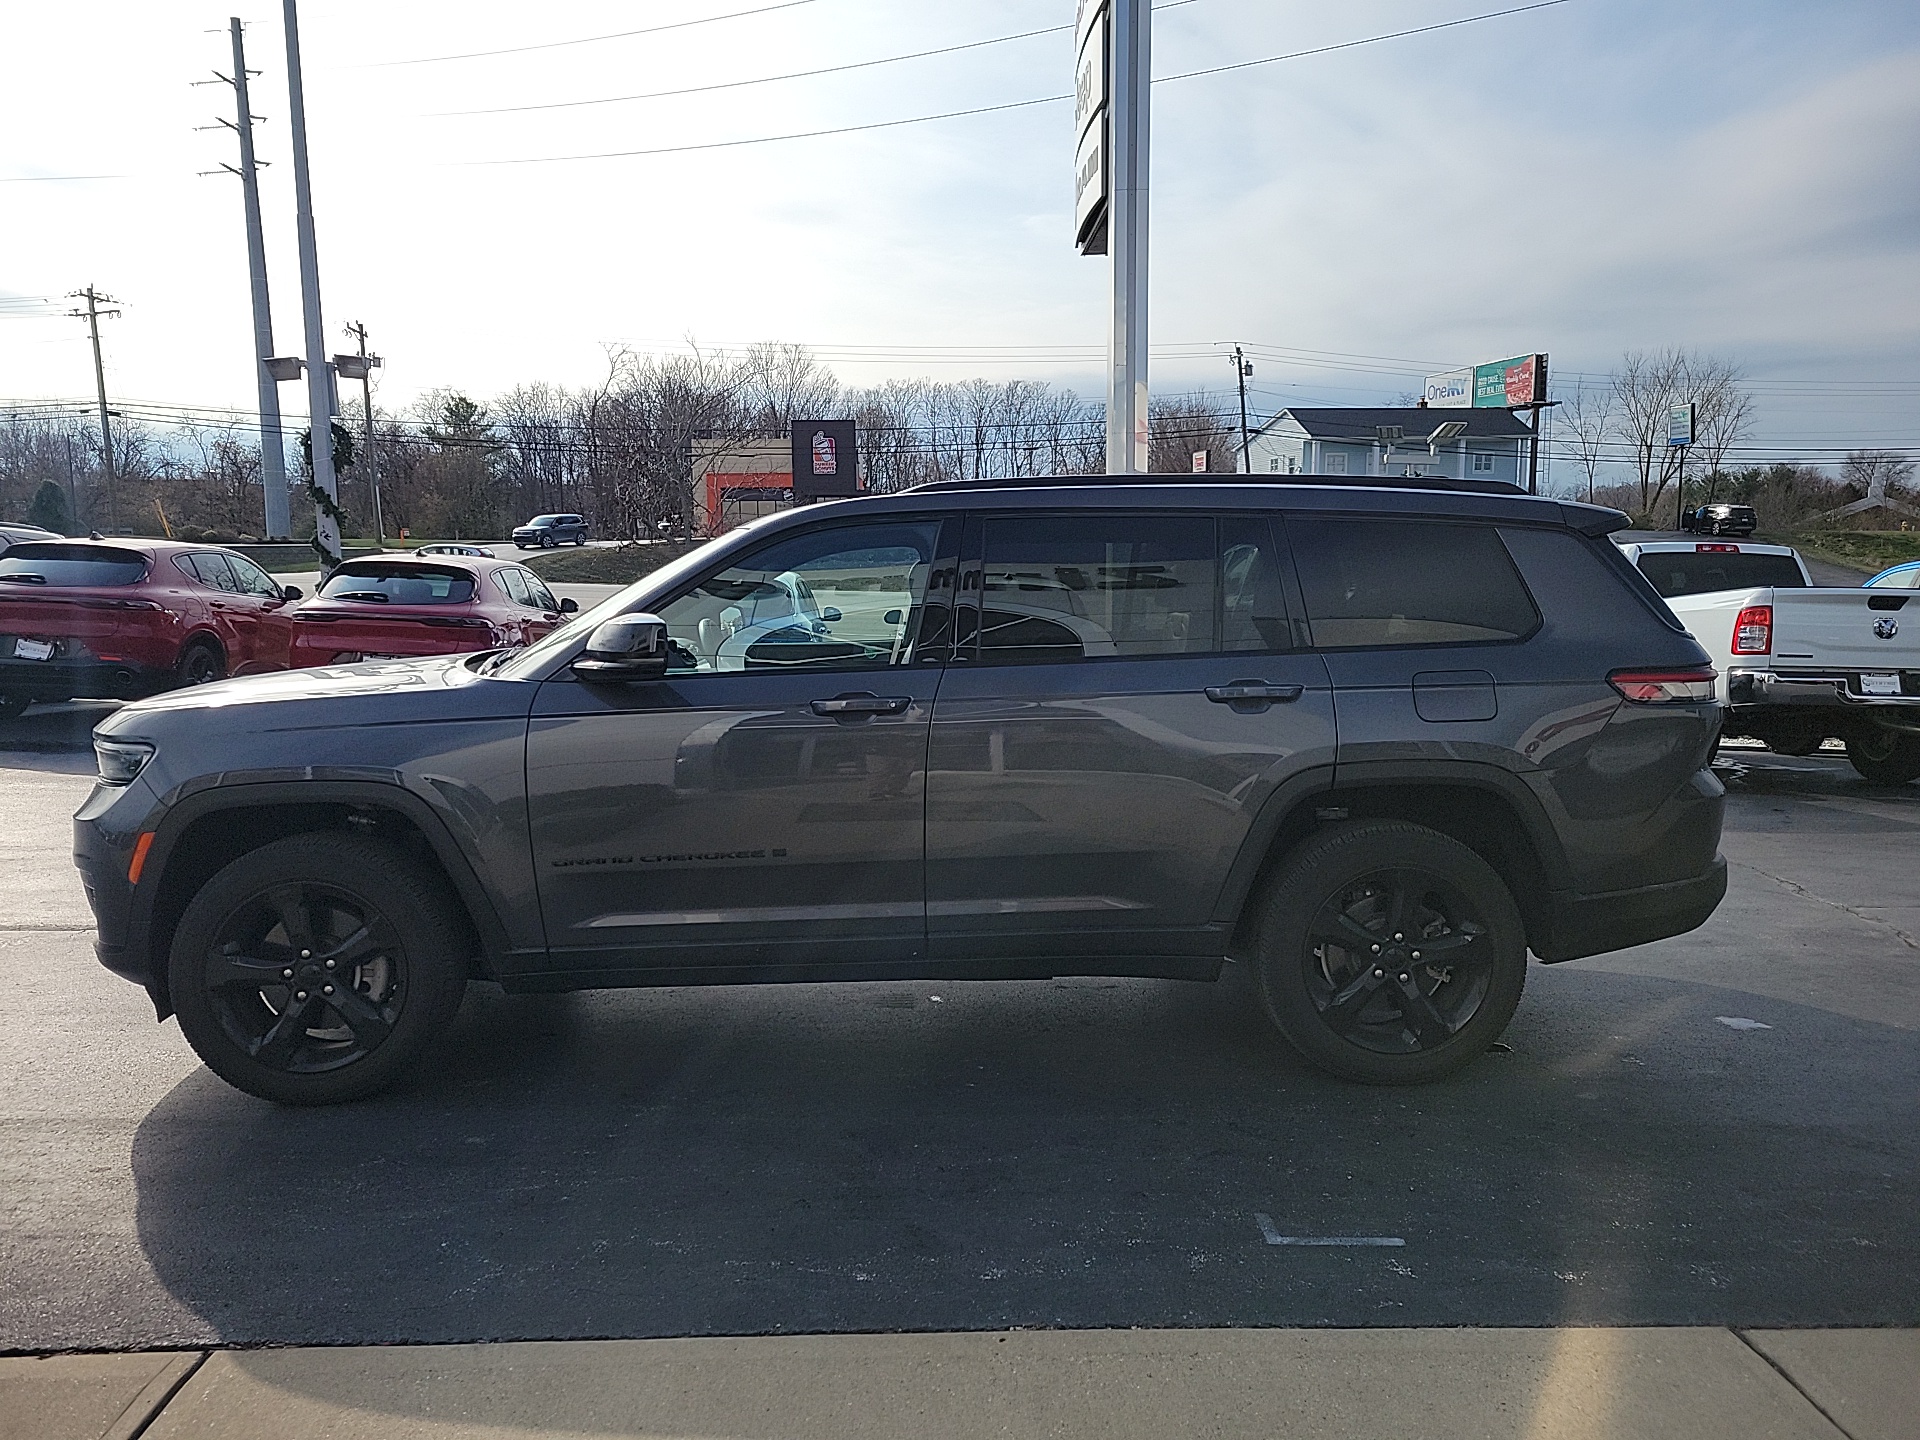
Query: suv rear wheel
x,y
1389,953
316,969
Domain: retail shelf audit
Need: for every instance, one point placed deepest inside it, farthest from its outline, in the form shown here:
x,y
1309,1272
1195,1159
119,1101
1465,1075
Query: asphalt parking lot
x,y
1717,1129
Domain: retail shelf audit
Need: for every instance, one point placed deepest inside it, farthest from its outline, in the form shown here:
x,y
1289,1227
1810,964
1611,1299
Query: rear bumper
x,y
86,679
1582,925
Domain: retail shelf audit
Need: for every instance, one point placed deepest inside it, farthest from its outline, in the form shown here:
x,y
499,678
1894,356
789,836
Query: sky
x,y
1740,177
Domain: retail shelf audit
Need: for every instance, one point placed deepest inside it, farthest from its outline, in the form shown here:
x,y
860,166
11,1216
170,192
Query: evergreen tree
x,y
49,509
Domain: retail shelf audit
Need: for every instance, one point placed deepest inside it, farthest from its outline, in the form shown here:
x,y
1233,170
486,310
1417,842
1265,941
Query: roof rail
x,y
1181,477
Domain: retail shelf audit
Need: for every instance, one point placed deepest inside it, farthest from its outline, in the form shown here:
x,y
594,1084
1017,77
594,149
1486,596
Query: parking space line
x,y
1273,1236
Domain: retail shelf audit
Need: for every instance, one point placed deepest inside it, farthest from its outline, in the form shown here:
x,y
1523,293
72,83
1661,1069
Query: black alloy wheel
x,y
1390,953
547,542
316,969
201,663
1884,755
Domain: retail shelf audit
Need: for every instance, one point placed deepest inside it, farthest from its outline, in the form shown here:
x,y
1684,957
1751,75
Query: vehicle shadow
x,y
1088,1153
63,729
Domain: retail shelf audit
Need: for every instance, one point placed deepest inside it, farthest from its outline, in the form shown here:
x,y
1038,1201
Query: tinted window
x,y
1407,582
845,598
1253,606
253,580
210,570
514,582
46,564
538,595
1066,586
1694,572
398,584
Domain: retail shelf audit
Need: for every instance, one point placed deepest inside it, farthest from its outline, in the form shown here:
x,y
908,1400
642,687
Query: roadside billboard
x,y
825,463
1450,391
1090,128
1680,424
1508,384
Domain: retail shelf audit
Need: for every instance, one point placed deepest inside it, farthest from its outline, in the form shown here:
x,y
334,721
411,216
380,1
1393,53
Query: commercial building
x,y
1484,444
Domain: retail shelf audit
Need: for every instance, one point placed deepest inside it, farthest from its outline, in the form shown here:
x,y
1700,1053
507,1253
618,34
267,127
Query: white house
x,y
1492,446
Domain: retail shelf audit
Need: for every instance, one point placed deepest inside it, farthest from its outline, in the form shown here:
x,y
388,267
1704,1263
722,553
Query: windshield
x,y
71,565
544,520
399,584
1691,572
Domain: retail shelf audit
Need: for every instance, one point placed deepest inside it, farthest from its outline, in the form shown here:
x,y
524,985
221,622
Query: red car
x,y
123,618
395,606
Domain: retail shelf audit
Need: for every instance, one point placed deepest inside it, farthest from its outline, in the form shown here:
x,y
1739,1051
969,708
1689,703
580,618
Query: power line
x,y
791,75
585,39
984,109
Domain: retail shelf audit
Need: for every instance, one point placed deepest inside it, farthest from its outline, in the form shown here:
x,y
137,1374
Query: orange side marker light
x,y
139,861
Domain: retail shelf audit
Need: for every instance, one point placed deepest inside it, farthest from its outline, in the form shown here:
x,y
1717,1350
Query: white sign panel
x,y
1450,391
1090,124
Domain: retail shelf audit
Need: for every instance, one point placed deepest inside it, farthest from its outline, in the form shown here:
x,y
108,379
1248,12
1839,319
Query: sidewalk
x,y
1572,1384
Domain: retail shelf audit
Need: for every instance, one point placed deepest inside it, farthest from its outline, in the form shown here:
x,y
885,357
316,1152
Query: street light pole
x,y
326,488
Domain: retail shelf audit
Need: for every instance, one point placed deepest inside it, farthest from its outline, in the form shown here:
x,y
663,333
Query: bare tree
x,y
1647,386
1589,419
1723,411
1179,426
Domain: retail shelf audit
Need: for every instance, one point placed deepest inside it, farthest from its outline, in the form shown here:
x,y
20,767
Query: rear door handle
x,y
862,704
1241,691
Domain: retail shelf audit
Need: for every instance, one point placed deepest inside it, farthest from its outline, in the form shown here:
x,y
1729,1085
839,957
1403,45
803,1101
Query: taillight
x,y
1716,549
1664,687
1753,630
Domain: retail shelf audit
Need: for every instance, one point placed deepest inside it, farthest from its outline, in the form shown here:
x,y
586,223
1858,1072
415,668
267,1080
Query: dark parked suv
x,y
1374,743
547,531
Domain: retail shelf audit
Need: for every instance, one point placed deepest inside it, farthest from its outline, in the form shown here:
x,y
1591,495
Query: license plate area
x,y
25,649
1880,684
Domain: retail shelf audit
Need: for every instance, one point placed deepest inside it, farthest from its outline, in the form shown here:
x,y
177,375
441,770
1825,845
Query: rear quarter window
x,y
1369,582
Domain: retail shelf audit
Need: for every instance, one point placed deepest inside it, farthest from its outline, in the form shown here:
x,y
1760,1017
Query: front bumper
x,y
1582,925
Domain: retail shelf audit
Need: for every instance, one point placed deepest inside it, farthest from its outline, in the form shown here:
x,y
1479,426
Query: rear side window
x,y
1407,582
379,584
1067,587
1700,572
210,570
70,565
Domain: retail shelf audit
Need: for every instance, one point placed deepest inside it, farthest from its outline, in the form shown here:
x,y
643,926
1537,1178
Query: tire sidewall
x,y
190,652
1886,757
377,875
1336,858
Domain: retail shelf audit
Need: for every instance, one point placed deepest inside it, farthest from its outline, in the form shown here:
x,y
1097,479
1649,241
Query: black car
x,y
1374,742
1721,520
547,531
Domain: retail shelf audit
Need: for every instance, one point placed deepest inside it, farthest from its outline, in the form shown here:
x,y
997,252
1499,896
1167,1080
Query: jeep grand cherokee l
x,y
1376,743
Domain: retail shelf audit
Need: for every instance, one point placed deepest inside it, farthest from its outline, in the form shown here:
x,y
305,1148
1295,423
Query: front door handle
x,y
864,703
1258,691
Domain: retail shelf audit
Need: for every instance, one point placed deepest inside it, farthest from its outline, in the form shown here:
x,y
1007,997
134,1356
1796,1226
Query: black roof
x,y
1416,422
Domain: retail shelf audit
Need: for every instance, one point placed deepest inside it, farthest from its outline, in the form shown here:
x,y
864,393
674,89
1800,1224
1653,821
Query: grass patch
x,y
1869,550
607,565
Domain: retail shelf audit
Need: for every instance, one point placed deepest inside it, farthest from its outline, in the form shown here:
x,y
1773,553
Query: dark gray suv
x,y
1374,743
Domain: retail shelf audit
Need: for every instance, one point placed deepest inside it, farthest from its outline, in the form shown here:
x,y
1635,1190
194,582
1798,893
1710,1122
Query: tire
x,y
391,926
1884,756
1348,1009
547,542
201,663
580,540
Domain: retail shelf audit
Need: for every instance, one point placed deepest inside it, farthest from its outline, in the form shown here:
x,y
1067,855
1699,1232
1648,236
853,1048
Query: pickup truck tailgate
x,y
1846,630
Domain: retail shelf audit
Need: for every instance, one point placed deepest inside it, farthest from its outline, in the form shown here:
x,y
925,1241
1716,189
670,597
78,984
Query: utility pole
x,y
1127,135
326,489
273,451
92,315
364,365
1242,368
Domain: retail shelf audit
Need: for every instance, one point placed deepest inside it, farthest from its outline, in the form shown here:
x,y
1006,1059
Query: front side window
x,y
514,582
538,595
1897,580
845,598
1407,582
253,580
1068,587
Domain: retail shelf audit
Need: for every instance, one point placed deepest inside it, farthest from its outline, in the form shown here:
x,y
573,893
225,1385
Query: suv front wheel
x,y
316,969
1389,953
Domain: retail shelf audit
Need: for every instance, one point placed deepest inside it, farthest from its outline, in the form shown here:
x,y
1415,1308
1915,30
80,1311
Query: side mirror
x,y
830,614
892,617
290,592
630,647
568,605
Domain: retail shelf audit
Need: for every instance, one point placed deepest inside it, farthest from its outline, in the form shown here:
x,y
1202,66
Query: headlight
x,y
121,760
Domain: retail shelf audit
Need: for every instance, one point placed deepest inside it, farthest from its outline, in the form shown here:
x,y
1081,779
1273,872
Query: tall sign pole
x,y
1114,47
326,499
273,451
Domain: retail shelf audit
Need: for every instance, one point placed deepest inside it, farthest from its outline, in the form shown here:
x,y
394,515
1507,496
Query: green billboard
x,y
1507,384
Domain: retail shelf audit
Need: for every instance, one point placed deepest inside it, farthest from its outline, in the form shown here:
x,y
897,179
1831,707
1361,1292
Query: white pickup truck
x,y
1798,664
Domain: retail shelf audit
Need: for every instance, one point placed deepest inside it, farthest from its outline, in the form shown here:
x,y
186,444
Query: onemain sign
x,y
1501,385
1090,111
